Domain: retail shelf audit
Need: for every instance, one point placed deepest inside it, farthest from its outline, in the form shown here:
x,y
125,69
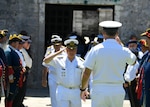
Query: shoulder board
x,y
48,52
81,59
49,47
62,46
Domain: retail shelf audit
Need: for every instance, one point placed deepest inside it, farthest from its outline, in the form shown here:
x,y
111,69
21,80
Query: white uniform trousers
x,y
107,95
68,97
52,91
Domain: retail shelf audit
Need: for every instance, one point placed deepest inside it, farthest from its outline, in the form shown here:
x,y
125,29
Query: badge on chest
x,y
63,74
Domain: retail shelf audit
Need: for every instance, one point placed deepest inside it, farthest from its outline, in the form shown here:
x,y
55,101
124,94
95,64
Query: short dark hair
x,y
110,31
23,32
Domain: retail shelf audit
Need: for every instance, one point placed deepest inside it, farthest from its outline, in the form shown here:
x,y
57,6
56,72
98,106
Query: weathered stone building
x,y
41,18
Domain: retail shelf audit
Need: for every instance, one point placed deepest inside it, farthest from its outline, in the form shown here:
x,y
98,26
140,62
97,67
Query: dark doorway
x,y
58,20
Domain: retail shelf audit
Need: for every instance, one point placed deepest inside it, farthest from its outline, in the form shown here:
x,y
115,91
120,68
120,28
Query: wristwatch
x,y
83,89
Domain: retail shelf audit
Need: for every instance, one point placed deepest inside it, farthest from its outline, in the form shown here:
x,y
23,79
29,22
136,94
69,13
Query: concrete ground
x,y
40,98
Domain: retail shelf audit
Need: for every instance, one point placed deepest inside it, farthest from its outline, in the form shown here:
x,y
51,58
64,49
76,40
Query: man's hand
x,y
11,78
44,83
44,77
125,85
84,95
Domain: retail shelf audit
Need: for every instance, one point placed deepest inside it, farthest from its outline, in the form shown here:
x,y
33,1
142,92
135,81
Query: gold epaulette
x,y
48,50
81,59
49,47
62,46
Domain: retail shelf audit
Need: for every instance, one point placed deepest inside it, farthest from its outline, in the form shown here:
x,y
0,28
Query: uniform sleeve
x,y
44,64
8,58
90,59
48,51
140,55
131,58
51,63
9,63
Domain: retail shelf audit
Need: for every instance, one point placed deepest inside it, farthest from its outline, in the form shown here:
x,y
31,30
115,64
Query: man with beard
x,y
3,43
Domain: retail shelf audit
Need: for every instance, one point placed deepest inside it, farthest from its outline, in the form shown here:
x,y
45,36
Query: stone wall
x,y
16,15
90,23
135,17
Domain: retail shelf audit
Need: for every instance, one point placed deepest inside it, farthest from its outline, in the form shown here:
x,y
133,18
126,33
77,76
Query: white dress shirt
x,y
131,71
27,58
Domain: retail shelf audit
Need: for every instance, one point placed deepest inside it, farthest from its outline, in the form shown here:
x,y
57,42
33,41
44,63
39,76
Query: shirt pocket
x,y
62,75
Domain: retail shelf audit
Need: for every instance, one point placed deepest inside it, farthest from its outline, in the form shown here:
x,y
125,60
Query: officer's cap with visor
x,y
25,38
100,36
71,42
132,41
110,26
56,40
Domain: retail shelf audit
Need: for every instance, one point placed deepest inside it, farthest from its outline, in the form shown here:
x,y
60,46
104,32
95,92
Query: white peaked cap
x,y
110,24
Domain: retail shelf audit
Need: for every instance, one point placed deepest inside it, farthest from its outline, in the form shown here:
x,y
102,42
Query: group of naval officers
x,y
67,77
68,74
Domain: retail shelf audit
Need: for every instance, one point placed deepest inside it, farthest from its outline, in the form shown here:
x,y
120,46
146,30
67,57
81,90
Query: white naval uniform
x,y
52,83
107,61
69,80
